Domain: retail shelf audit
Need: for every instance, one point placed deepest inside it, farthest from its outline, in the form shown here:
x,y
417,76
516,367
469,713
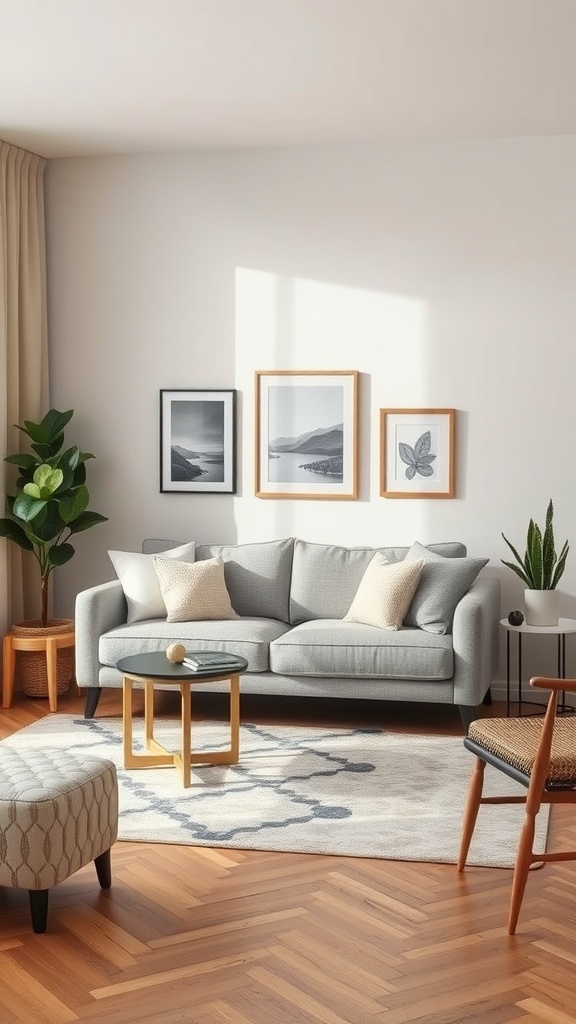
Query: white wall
x,y
444,273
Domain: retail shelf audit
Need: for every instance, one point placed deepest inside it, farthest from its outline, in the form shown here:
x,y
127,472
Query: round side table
x,y
154,669
560,631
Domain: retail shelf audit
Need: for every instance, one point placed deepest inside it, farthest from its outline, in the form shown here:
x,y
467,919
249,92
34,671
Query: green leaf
x,y
55,421
47,450
519,572
14,532
50,524
86,520
48,479
26,508
60,554
560,566
25,461
72,505
534,564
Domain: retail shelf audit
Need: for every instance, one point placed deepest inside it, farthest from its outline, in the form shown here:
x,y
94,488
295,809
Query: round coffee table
x,y
154,669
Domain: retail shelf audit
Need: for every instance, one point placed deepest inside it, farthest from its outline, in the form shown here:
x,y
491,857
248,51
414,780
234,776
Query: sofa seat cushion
x,y
249,638
331,647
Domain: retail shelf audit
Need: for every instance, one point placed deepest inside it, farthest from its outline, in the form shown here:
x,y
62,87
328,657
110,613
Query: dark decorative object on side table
x,y
515,618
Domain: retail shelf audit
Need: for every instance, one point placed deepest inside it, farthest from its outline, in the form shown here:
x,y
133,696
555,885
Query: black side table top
x,y
155,665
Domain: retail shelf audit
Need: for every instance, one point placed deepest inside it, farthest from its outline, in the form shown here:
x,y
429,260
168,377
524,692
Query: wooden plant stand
x,y
50,644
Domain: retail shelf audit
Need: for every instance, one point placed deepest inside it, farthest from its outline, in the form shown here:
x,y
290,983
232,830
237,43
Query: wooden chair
x,y
540,753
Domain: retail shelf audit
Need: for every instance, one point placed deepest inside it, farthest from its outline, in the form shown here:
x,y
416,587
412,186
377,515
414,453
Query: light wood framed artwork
x,y
307,434
417,453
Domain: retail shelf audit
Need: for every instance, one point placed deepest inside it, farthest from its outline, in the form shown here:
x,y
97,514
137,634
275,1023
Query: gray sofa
x,y
291,597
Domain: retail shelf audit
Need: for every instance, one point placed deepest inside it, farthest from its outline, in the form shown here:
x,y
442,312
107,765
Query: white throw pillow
x,y
192,592
139,580
385,593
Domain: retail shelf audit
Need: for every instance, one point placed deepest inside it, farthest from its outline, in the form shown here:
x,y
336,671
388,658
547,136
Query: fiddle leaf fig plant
x,y
51,503
541,568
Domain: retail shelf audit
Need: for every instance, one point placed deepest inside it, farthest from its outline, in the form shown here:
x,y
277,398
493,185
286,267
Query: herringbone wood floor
x,y
207,936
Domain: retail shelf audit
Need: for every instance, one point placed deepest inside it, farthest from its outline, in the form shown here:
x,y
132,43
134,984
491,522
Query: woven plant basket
x,y
31,665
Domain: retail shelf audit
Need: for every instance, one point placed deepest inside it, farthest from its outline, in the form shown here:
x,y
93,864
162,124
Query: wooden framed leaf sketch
x,y
307,434
417,453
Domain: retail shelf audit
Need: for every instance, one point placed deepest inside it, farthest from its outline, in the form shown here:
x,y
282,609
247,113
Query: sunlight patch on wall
x,y
293,323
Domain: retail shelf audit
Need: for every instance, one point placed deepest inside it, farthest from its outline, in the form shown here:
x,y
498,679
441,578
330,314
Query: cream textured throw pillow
x,y
385,593
195,591
139,581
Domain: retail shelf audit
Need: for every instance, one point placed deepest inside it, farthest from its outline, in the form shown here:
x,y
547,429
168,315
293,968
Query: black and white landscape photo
x,y
307,434
306,439
197,441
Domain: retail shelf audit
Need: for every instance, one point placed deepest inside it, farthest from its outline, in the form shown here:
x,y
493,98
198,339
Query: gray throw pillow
x,y
443,583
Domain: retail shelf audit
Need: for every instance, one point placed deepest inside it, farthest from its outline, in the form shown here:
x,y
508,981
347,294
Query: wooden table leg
x,y
235,718
8,666
148,714
127,720
52,672
186,741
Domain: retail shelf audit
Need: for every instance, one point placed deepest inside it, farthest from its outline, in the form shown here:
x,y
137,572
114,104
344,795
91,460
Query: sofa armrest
x,y
98,609
475,639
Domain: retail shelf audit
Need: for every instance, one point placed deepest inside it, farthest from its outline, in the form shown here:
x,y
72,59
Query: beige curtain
x,y
23,347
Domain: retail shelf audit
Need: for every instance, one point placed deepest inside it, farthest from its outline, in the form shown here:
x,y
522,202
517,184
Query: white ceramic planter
x,y
541,607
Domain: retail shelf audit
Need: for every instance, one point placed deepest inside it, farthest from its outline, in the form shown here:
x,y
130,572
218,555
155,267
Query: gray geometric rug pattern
x,y
348,792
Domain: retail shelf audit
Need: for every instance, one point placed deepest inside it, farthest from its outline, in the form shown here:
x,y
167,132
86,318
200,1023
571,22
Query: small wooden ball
x,y
175,653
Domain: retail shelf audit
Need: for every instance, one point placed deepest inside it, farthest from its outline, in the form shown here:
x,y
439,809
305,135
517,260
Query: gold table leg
x,y
8,666
157,755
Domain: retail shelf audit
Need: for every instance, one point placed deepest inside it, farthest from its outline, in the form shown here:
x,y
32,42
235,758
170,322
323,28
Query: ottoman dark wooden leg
x,y
103,869
38,909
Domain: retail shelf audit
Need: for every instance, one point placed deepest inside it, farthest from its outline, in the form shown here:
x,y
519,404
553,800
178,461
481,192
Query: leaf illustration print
x,y
418,459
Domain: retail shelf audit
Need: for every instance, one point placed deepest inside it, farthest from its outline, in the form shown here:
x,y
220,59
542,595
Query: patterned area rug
x,y
350,792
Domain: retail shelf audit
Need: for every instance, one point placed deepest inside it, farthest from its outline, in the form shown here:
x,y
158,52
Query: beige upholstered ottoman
x,y
57,813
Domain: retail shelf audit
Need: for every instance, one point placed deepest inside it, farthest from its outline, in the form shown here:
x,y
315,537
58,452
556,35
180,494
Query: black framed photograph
x,y
198,441
307,434
417,453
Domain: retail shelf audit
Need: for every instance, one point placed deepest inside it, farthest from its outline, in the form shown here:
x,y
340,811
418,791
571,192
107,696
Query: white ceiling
x,y
84,77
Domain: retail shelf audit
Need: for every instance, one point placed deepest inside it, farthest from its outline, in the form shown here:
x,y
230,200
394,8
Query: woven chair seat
x,y
515,741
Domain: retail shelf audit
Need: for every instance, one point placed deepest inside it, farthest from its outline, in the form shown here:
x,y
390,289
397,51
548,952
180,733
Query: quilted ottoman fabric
x,y
57,813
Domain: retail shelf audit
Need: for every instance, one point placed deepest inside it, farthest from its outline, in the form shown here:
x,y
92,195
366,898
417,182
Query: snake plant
x,y
541,567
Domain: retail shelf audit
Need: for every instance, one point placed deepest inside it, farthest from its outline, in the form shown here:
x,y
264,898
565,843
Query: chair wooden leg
x,y
103,869
524,859
471,811
38,909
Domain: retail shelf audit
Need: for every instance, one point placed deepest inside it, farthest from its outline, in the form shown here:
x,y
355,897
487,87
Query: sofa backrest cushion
x,y
257,576
443,583
325,577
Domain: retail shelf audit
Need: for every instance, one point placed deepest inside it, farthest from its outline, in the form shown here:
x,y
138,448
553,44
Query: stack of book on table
x,y
210,659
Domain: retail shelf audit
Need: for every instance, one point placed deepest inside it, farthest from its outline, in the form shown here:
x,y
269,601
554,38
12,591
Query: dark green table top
x,y
155,665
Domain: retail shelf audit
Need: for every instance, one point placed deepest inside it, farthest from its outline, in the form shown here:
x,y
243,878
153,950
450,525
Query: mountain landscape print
x,y
197,449
306,434
321,450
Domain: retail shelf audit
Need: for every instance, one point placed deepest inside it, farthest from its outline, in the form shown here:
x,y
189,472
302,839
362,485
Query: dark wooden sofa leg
x,y
92,698
488,698
103,869
467,714
38,909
